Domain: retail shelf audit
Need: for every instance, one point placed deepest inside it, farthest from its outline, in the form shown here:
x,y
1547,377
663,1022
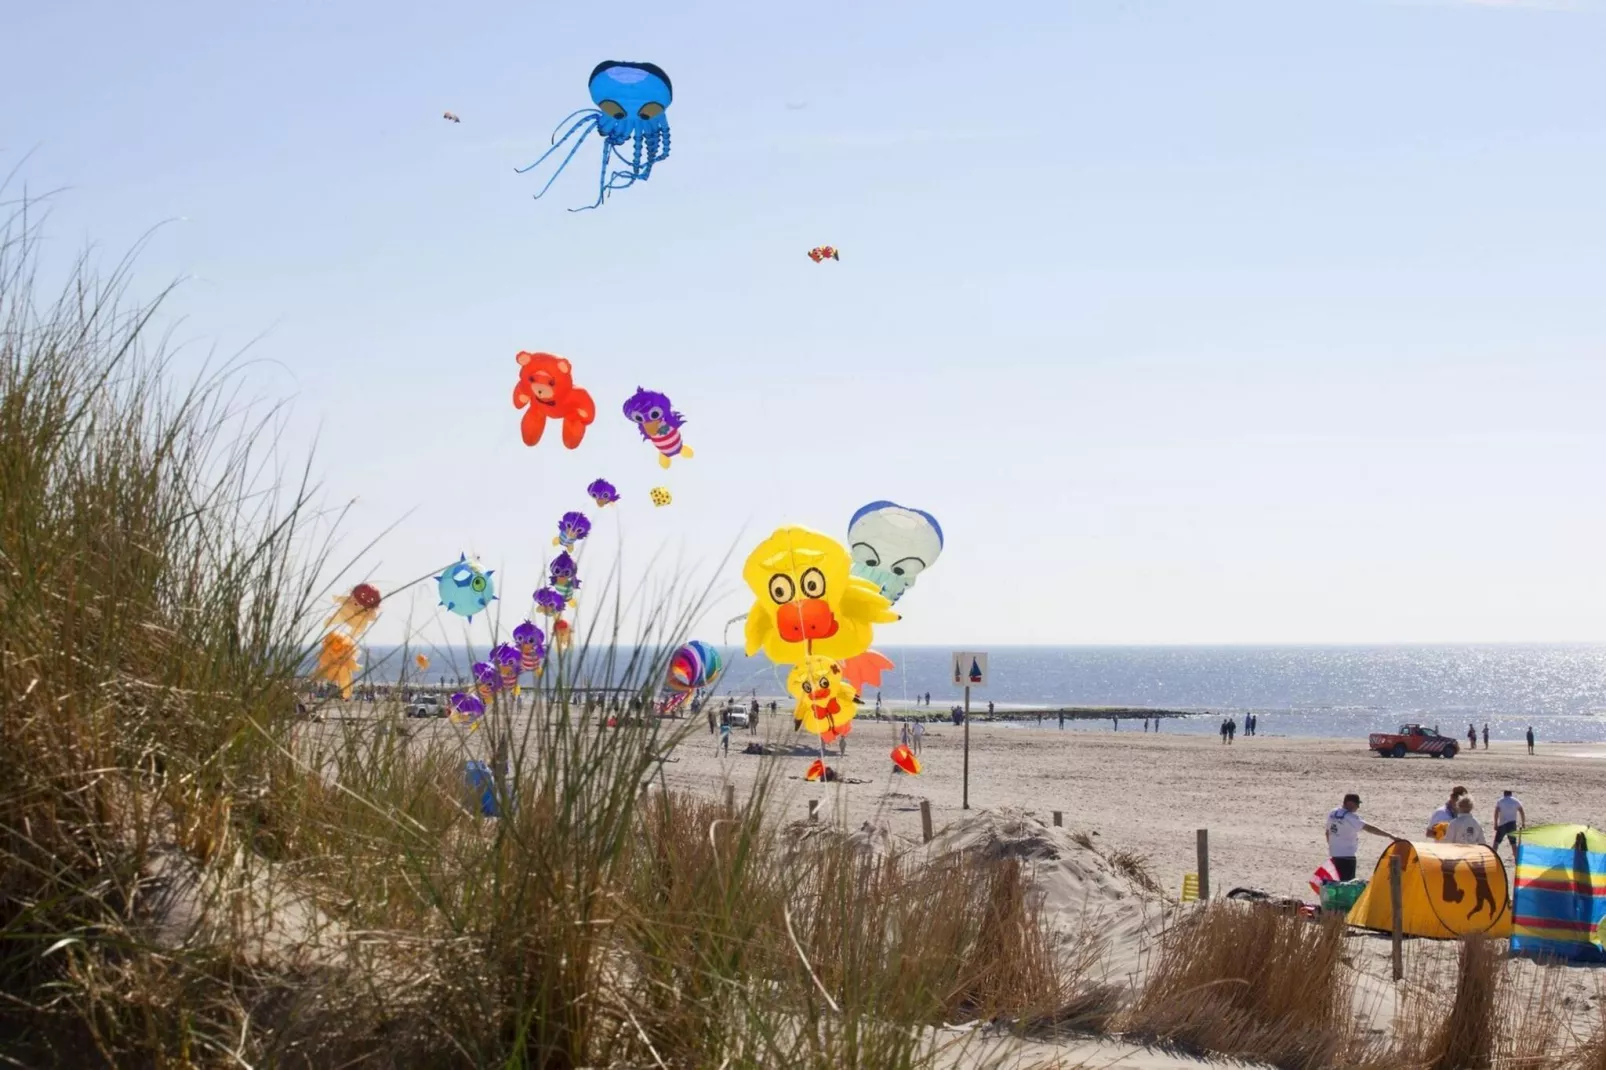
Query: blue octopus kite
x,y
630,100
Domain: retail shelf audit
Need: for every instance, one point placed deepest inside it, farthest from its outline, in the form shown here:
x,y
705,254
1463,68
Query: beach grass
x,y
193,874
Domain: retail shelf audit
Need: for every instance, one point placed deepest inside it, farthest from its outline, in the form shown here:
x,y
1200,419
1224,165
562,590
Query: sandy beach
x,y
1263,799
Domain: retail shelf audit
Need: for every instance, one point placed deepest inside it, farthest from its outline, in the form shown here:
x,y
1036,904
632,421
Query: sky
x,y
1192,322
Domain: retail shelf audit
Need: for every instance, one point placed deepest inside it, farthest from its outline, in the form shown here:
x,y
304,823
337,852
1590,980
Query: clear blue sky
x,y
1192,321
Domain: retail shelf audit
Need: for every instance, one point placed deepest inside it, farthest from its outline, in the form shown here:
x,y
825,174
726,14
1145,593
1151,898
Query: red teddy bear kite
x,y
546,386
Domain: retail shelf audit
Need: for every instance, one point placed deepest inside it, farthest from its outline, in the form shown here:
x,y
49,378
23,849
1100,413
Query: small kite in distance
x,y
450,117
824,252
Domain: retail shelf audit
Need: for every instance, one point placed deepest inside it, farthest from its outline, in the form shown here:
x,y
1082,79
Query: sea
x,y
1313,691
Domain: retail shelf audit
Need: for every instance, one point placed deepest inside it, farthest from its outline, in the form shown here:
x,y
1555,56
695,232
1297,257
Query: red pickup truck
x,y
1413,739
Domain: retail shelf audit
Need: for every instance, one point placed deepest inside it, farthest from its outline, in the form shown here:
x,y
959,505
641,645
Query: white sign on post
x,y
970,668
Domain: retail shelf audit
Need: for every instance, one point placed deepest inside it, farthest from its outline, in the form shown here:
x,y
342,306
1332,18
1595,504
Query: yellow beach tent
x,y
1446,890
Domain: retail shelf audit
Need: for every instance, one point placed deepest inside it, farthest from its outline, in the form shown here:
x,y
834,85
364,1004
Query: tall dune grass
x,y
192,875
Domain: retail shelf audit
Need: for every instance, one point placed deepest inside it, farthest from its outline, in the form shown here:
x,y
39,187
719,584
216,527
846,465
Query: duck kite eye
x,y
477,583
808,687
655,413
636,416
814,584
825,685
650,110
781,589
612,108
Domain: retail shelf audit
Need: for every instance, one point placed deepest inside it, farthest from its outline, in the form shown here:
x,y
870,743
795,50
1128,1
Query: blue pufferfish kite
x,y
630,99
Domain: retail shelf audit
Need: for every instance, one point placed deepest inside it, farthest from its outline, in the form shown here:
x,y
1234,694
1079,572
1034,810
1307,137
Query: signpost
x,y
970,670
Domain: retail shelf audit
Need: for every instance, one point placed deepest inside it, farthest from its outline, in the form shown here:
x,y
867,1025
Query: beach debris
x,y
904,760
565,578
632,101
356,610
465,589
550,603
660,496
602,492
824,252
806,602
892,545
654,415
531,641
572,527
826,703
337,661
546,391
450,117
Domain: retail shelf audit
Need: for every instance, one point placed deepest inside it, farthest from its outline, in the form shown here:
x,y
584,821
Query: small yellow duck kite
x,y
806,600
826,702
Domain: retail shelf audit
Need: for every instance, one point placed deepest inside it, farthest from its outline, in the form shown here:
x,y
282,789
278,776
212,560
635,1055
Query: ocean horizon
x,y
1337,691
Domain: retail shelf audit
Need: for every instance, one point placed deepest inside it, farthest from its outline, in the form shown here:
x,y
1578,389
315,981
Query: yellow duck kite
x,y
807,601
826,702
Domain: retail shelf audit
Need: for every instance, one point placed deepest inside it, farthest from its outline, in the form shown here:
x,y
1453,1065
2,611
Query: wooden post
x,y
1398,922
730,800
1204,863
814,810
1059,818
925,819
966,801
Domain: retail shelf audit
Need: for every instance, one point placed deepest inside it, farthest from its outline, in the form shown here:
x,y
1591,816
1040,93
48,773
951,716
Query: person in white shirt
x,y
1344,828
1446,813
1465,827
1508,817
919,735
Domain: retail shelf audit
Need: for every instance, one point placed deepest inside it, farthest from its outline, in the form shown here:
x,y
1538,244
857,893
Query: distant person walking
x,y
752,718
1062,720
725,732
928,698
1486,736
989,709
1232,730
1115,724
1530,739
1509,816
1223,731
1344,828
711,721
1145,724
1472,738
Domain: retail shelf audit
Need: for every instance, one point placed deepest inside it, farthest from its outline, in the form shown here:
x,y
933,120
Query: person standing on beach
x,y
1465,828
919,734
1472,738
903,736
1223,731
1062,720
1530,739
1445,814
1509,816
725,732
710,720
752,718
989,709
1344,828
1486,735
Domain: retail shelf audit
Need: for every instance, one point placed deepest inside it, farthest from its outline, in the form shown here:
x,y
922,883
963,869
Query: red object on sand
x,y
817,770
905,759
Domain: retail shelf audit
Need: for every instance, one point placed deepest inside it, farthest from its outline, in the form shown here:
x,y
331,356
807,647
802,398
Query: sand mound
x,y
1090,902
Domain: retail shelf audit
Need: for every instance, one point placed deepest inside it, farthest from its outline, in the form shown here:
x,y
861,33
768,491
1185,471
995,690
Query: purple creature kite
x,y
507,660
565,578
487,681
531,642
571,529
660,424
549,602
466,709
603,493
